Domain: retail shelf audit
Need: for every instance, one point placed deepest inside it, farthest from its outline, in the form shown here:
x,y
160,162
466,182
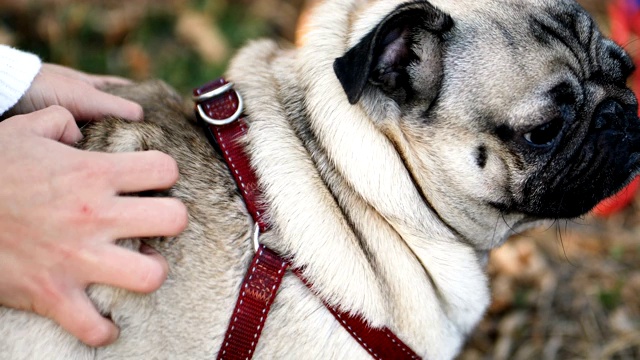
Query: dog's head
x,y
502,110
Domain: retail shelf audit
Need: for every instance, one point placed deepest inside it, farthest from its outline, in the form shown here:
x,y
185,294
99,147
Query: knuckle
x,y
104,168
84,213
47,296
59,110
88,218
98,171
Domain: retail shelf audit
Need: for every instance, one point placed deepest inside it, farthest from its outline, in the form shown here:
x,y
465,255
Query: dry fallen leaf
x,y
201,32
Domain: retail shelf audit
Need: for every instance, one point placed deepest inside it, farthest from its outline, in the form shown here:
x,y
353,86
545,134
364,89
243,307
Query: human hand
x,y
60,214
78,92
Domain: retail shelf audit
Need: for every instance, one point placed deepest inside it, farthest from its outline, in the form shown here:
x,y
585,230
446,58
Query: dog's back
x,y
188,316
207,261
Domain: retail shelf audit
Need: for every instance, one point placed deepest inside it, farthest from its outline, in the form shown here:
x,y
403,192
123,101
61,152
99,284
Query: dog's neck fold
x,y
343,205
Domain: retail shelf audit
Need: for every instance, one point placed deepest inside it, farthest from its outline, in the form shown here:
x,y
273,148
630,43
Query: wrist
x,y
17,71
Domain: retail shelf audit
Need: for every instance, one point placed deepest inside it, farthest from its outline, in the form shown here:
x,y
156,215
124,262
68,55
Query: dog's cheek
x,y
477,172
487,179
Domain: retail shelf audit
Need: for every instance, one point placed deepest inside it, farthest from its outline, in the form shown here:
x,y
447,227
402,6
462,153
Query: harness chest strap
x,y
219,109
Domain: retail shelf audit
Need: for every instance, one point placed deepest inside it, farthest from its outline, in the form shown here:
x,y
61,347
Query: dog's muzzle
x,y
590,168
617,128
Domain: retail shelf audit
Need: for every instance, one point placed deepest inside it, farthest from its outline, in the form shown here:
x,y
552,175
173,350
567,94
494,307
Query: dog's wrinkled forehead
x,y
537,31
531,33
532,46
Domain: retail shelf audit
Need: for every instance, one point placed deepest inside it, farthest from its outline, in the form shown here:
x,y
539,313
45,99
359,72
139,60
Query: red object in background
x,y
619,201
625,29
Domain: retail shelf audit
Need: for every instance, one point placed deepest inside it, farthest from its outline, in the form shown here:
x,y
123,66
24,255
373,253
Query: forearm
x,y
17,71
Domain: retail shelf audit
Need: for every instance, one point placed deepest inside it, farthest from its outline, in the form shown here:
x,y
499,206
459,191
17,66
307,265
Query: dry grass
x,y
568,293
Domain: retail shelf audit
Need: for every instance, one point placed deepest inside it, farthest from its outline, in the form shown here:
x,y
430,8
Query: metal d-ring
x,y
256,235
213,94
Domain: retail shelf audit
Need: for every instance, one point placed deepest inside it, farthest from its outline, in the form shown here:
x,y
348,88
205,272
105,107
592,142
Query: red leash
x,y
219,108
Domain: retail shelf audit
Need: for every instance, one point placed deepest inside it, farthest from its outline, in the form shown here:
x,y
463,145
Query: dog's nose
x,y
610,114
616,123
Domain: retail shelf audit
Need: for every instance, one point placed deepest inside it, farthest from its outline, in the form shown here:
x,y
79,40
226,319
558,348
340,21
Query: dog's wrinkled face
x,y
509,112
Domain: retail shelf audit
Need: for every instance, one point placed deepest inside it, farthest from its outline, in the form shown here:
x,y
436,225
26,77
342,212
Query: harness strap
x,y
226,134
256,296
219,109
380,343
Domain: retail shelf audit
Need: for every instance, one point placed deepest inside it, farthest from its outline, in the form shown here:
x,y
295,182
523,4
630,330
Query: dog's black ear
x,y
382,56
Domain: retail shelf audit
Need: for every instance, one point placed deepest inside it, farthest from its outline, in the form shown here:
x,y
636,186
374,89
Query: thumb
x,y
54,122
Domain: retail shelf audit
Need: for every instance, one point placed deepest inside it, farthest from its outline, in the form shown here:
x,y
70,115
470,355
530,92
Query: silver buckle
x,y
214,94
256,234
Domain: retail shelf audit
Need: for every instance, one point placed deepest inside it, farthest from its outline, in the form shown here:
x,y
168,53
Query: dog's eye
x,y
546,134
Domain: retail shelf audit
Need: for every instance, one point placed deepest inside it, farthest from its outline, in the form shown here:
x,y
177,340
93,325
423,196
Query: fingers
x,y
123,268
54,122
89,103
76,91
135,172
142,171
147,217
57,123
94,80
78,316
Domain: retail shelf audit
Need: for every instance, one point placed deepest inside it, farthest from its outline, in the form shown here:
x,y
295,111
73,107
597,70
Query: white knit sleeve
x,y
17,71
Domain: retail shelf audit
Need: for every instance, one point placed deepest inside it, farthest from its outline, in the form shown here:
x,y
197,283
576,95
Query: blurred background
x,y
184,42
569,291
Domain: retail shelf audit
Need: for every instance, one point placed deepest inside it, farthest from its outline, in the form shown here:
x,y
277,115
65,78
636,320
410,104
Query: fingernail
x,y
140,112
137,113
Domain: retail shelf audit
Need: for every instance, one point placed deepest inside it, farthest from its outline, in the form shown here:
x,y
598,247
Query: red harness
x,y
219,108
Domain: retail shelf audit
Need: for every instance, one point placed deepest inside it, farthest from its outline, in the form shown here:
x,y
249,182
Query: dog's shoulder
x,y
169,126
165,112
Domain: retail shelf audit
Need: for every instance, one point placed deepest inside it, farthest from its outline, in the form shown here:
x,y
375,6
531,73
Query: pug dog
x,y
394,149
